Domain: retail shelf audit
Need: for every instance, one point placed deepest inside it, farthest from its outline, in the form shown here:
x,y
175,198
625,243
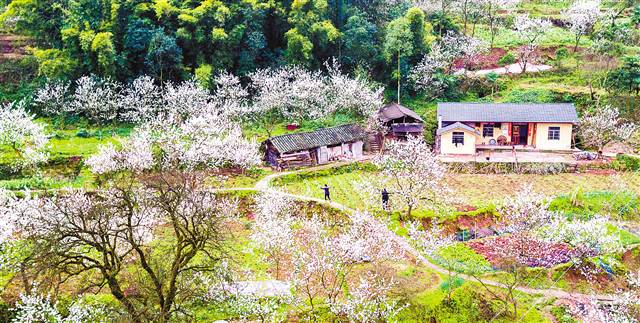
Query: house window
x,y
458,138
487,130
554,133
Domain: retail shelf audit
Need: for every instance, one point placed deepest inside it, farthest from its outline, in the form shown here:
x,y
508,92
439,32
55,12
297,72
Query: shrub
x,y
618,205
530,96
562,53
507,59
83,133
626,163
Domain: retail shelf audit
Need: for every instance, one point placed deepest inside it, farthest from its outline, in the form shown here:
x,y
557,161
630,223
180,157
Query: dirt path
x,y
264,185
509,69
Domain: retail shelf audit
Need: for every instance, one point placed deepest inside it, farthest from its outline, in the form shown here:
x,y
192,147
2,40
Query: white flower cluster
x,y
26,137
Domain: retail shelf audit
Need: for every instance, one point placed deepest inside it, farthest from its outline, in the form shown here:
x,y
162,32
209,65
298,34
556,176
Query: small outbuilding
x,y
315,147
400,122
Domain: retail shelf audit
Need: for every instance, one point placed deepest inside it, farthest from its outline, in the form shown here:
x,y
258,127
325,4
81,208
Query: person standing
x,y
385,199
327,194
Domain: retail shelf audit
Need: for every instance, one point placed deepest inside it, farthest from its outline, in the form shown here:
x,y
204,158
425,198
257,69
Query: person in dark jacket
x,y
327,194
385,199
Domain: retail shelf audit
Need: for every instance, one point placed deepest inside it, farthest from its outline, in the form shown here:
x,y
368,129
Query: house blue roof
x,y
508,112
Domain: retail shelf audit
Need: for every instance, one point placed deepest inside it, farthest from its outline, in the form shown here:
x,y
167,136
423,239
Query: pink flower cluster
x,y
525,250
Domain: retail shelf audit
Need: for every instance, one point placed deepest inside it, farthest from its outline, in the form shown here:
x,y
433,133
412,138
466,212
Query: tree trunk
x,y
398,76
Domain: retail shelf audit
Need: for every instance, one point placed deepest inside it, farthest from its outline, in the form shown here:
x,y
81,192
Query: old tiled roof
x,y
508,112
394,111
321,137
456,126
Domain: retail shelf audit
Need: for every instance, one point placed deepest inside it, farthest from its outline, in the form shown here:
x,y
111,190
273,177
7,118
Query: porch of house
x,y
508,155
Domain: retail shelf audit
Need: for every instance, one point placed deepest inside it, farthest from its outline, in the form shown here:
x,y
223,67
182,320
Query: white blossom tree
x,y
92,236
293,93
96,99
140,101
525,211
582,17
37,308
530,30
413,175
604,126
20,132
369,301
324,263
53,99
427,75
272,230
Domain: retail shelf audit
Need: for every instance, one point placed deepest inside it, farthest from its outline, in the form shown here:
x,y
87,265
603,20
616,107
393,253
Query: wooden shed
x,y
400,121
315,147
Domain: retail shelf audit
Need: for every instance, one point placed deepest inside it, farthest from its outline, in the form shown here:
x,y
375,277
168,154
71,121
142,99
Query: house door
x,y
519,134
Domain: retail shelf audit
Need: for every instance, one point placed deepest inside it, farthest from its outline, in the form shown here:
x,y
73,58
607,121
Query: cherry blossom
x,y
140,100
272,230
20,132
53,98
368,301
440,59
37,308
96,99
525,211
582,16
412,174
530,30
604,126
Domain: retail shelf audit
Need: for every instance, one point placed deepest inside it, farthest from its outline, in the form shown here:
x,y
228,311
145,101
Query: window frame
x,y
553,133
492,126
456,139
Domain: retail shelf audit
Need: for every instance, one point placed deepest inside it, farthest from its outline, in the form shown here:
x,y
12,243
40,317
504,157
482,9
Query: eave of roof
x,y
314,139
394,111
457,126
508,112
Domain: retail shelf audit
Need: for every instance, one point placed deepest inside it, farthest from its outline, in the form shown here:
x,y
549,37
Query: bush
x,y
618,205
507,59
530,96
83,133
626,163
307,175
562,54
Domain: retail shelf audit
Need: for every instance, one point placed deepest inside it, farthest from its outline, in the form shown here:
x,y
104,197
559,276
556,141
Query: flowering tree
x,y
323,263
530,30
53,99
414,174
582,16
603,127
429,74
294,93
20,132
140,101
369,301
96,99
273,231
93,235
525,211
36,308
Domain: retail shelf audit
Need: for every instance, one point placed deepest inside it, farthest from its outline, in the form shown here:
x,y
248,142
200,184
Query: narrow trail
x,y
264,185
